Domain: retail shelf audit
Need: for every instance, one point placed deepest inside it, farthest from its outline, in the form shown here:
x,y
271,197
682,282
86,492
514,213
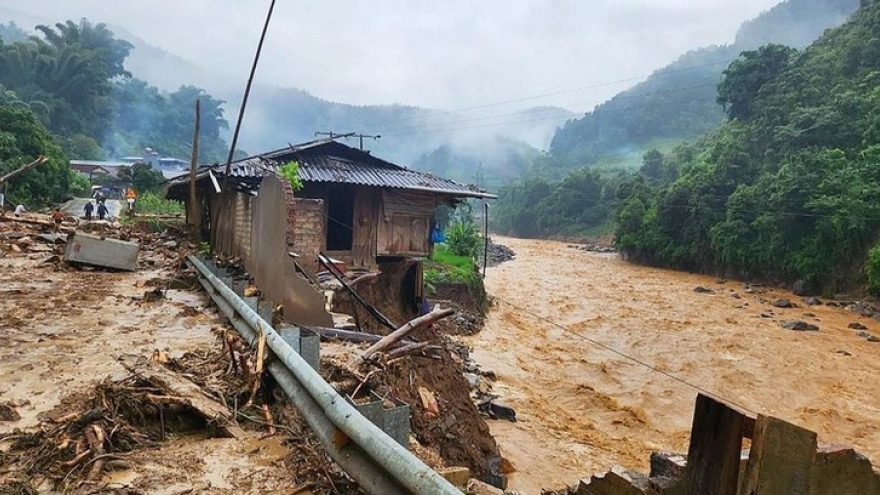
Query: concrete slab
x,y
93,250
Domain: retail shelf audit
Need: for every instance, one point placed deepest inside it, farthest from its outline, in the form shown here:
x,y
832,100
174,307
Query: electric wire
x,y
626,356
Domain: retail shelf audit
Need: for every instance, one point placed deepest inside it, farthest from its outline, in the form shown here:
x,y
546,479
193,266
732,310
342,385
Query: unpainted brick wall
x,y
242,229
309,232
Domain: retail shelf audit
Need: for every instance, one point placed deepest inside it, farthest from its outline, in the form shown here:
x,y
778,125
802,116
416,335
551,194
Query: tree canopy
x,y
789,188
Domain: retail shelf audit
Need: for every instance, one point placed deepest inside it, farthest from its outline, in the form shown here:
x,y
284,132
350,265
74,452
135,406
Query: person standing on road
x,y
57,217
102,211
130,196
88,209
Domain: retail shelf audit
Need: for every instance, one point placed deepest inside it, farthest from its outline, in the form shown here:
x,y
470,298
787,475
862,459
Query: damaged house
x,y
370,214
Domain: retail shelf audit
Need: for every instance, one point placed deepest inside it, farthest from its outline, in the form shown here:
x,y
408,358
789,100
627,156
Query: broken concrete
x,y
93,250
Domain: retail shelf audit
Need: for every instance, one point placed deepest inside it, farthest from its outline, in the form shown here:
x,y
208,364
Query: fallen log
x,y
40,223
348,335
408,349
11,175
177,386
436,314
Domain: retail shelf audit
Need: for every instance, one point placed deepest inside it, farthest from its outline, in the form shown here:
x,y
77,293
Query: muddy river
x,y
582,408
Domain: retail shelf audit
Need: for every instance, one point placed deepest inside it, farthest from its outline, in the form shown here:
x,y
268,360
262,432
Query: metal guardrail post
x,y
370,456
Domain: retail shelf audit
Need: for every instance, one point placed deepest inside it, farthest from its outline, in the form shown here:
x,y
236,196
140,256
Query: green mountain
x,y
677,102
788,188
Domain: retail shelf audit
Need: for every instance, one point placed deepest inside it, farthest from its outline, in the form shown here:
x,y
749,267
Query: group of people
x,y
89,209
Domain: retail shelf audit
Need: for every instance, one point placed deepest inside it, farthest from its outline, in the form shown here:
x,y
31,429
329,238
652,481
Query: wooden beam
x,y
436,314
781,458
714,454
11,175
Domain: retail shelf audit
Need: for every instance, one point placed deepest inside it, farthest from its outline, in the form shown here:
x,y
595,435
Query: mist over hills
x,y
677,102
410,135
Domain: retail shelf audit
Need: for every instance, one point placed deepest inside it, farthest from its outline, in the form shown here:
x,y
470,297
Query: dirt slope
x,y
583,409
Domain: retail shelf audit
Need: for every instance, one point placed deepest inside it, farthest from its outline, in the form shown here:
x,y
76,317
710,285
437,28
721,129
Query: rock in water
x,y
857,326
783,303
703,290
800,326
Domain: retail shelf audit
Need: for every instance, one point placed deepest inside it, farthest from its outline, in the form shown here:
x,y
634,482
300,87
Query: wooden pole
x,y
434,315
192,212
485,235
247,92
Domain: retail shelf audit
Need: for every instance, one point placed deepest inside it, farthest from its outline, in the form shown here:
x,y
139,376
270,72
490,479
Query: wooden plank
x,y
714,453
213,412
781,458
366,215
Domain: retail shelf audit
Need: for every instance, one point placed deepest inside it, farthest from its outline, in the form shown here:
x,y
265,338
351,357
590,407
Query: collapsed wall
x,y
260,230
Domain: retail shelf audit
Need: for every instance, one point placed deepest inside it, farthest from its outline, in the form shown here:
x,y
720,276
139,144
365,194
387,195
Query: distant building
x,y
90,169
170,167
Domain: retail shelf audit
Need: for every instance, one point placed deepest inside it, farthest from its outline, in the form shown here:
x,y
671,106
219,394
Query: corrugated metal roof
x,y
332,162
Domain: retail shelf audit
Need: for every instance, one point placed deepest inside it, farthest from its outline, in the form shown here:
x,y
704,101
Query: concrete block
x,y
251,302
291,335
396,423
614,482
92,250
310,350
265,310
839,469
458,476
477,487
238,286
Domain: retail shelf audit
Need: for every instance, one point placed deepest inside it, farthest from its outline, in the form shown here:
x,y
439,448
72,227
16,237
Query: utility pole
x,y
333,135
247,92
362,136
193,211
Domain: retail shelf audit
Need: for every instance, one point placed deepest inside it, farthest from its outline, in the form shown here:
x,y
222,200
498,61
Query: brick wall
x,y
242,229
309,231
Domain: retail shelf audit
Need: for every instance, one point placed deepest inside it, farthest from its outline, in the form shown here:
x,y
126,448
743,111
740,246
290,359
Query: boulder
x,y
783,303
857,326
800,326
703,290
803,288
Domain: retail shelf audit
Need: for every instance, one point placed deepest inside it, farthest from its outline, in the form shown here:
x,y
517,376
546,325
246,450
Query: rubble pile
x,y
480,381
496,254
594,248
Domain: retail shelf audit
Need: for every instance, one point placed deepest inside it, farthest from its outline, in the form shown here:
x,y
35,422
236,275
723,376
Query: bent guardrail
x,y
377,462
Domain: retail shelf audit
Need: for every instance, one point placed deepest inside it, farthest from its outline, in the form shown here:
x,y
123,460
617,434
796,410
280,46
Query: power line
x,y
625,355
549,94
415,128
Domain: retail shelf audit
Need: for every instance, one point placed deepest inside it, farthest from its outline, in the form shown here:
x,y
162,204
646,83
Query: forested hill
x,y
678,102
789,187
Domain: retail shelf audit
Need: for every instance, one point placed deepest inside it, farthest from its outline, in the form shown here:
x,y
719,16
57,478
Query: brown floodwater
x,y
582,409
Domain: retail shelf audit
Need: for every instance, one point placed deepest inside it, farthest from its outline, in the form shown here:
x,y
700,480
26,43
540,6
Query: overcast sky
x,y
441,54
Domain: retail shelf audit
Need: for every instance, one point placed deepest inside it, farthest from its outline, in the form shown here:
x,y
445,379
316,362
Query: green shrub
x,y
290,171
463,239
872,270
153,203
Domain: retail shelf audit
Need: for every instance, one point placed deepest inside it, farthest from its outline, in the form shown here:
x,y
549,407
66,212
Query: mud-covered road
x,y
62,330
582,409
